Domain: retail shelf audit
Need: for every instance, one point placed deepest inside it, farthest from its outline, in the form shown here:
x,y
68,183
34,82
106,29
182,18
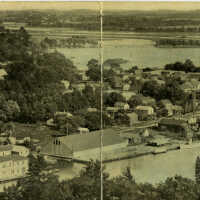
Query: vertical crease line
x,y
101,63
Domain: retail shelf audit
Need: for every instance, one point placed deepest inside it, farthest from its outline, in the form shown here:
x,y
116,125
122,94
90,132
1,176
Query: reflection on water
x,y
150,168
156,168
137,51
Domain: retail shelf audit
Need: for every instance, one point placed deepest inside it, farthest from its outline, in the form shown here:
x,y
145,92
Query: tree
x,y
112,98
127,174
90,95
178,188
94,70
122,118
92,120
197,170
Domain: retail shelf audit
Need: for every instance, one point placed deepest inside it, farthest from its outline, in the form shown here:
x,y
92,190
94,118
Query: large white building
x,y
13,164
84,146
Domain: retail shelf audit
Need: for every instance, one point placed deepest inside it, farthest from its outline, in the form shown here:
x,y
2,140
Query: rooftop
x,y
12,157
5,147
79,142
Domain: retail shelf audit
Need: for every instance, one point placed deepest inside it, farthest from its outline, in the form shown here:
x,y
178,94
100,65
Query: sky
x,y
96,5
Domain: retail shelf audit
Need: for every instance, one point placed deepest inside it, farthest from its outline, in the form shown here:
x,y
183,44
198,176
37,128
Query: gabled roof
x,y
119,104
56,150
5,147
80,142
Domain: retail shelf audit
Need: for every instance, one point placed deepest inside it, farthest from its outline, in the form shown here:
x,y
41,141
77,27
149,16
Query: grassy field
x,y
35,131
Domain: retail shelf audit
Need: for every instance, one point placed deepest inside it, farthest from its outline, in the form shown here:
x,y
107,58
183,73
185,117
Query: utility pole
x,y
101,62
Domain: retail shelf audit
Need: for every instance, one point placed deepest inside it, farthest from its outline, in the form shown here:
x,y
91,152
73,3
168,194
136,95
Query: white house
x,y
66,84
145,109
122,106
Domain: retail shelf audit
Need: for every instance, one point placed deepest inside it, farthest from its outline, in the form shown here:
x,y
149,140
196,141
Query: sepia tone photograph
x,y
99,100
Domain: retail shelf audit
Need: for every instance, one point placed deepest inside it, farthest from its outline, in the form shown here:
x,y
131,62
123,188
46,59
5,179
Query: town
x,y
145,111
72,118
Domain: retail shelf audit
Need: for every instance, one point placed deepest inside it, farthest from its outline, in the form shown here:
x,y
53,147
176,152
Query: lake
x,y
150,168
137,51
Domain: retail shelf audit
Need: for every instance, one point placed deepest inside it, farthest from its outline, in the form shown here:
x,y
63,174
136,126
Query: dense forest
x,y
177,43
158,21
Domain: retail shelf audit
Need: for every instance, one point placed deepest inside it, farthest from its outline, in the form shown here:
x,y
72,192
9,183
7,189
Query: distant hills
x,y
86,19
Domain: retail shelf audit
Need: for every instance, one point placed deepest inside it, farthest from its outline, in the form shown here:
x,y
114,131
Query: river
x,y
150,168
137,51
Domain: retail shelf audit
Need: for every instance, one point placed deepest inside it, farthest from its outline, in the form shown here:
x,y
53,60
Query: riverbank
x,y
135,151
177,46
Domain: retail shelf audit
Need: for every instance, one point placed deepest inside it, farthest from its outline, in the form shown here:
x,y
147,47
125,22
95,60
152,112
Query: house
x,y
92,110
166,107
177,126
190,119
67,114
125,76
128,94
117,70
82,74
66,84
117,82
191,85
138,72
146,109
165,103
180,74
126,87
20,150
122,105
145,133
83,130
12,166
135,136
159,82
84,146
78,86
111,91
50,123
165,111
3,73
147,101
67,91
111,111
133,118
144,112
177,110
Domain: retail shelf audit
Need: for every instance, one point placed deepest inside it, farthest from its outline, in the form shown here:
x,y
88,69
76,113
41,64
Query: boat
x,y
159,150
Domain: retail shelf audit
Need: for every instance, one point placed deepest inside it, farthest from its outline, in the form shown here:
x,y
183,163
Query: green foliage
x,y
188,66
94,70
121,118
112,98
32,90
197,170
87,185
92,120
